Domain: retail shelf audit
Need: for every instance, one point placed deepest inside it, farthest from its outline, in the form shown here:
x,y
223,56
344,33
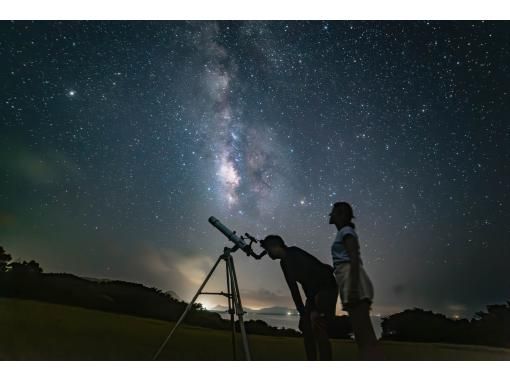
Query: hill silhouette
x,y
27,280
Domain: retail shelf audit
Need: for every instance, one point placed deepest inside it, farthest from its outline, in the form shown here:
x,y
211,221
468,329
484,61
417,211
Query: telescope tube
x,y
229,234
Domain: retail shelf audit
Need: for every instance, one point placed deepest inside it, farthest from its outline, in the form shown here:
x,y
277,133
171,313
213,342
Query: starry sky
x,y
119,139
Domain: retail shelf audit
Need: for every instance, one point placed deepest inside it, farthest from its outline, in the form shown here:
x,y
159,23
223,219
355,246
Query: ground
x,y
42,331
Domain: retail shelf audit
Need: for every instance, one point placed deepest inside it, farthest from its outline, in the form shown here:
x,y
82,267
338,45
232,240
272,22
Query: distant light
x,y
71,92
289,313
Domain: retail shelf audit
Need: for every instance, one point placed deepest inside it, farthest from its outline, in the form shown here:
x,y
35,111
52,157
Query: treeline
x,y
27,280
491,328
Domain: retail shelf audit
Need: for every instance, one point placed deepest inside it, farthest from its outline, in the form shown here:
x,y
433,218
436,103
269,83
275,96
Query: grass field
x,y
32,330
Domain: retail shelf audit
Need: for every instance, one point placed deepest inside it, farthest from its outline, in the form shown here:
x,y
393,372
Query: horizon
x,y
211,306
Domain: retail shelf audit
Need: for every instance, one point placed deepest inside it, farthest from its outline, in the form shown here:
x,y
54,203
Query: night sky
x,y
119,139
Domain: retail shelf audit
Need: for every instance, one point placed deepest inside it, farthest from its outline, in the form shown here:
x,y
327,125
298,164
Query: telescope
x,y
239,241
233,295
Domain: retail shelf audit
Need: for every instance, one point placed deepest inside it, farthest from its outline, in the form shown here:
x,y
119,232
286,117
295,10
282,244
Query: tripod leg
x,y
188,308
239,308
231,310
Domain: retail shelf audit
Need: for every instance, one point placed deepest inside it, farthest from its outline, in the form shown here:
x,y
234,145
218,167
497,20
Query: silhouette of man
x,y
319,286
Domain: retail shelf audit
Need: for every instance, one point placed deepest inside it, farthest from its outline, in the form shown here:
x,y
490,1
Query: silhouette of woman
x,y
354,285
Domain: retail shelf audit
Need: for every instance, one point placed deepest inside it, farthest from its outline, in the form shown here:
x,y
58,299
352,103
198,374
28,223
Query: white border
x,y
255,370
255,9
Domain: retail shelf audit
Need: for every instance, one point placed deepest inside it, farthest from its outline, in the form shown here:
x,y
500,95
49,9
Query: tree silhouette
x,y
493,327
31,267
5,258
488,328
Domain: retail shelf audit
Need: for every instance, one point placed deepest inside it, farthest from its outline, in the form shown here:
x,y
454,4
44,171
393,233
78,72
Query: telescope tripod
x,y
234,303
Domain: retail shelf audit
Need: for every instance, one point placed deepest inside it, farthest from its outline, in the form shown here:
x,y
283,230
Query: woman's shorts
x,y
365,288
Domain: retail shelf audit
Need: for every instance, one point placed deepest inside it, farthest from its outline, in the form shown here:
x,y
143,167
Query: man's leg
x,y
325,305
320,330
305,326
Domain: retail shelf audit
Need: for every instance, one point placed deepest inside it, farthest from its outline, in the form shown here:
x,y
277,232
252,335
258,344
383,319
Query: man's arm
x,y
294,291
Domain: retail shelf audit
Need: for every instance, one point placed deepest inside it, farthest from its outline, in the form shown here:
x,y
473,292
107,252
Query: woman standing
x,y
354,285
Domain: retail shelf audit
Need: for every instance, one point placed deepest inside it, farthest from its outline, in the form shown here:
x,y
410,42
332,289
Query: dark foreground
x,y
42,331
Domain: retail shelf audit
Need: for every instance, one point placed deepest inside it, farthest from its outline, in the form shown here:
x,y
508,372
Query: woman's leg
x,y
364,332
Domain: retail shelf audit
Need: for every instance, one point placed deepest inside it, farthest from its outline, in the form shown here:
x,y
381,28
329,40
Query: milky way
x,y
120,139
246,157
